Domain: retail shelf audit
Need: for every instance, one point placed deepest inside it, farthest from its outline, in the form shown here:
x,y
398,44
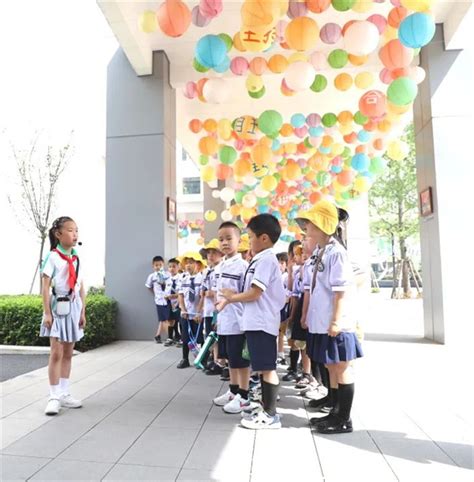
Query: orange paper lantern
x,y
210,125
195,125
174,18
277,64
208,146
223,172
315,196
394,55
343,82
318,6
258,65
302,33
396,16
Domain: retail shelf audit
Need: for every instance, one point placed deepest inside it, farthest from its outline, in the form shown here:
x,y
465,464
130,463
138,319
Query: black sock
x,y
324,375
170,332
294,355
234,389
333,397
316,372
270,395
346,396
185,351
263,392
244,393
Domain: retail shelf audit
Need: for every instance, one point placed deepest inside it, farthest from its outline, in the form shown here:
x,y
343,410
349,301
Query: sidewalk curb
x,y
27,350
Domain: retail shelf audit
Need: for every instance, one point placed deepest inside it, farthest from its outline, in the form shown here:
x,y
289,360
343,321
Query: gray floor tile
x,y
161,447
183,415
193,475
20,468
104,443
141,472
72,470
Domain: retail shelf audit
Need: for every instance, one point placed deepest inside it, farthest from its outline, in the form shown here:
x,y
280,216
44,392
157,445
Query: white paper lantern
x,y
299,75
216,91
227,194
249,201
361,38
216,194
226,215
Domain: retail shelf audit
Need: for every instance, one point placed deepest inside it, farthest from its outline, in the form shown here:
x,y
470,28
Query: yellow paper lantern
x,y
237,42
290,148
269,183
362,6
208,174
362,184
247,213
210,215
235,210
397,150
358,60
148,21
390,33
254,83
345,129
261,154
417,5
364,80
257,38
246,127
297,57
242,167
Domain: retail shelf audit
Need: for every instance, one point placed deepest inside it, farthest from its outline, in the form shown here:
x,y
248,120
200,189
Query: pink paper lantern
x,y
297,9
198,19
313,120
301,131
386,76
280,31
210,8
330,33
318,60
379,21
239,65
190,90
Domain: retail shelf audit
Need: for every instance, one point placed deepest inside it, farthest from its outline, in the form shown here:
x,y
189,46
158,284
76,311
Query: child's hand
x,y
334,329
304,325
48,321
220,305
227,293
82,321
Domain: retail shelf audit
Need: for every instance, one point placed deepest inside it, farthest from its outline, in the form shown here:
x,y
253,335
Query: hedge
x,y
20,320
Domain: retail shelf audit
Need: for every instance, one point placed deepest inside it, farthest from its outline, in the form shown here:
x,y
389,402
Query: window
x,y
191,185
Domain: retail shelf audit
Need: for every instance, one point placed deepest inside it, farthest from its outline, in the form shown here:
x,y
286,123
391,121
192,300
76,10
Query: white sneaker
x,y
68,401
53,406
251,409
261,421
316,393
238,405
224,399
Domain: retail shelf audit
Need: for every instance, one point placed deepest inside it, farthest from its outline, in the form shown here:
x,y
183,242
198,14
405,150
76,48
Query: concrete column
x,y
443,129
140,175
217,205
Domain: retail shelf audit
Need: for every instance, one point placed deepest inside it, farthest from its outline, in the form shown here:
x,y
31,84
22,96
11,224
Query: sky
x,y
55,56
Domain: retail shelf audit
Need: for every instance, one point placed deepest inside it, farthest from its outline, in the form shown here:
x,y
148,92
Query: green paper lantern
x,y
338,58
227,155
227,40
329,119
342,5
239,195
270,122
377,165
203,160
199,67
360,118
307,144
323,178
319,84
402,91
257,95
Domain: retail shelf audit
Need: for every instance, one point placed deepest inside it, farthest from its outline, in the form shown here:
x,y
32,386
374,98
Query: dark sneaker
x,y
281,361
225,377
315,421
335,426
319,403
169,342
183,364
290,377
158,339
215,369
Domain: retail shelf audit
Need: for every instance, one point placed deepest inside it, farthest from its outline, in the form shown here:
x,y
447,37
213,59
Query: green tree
x,y
393,201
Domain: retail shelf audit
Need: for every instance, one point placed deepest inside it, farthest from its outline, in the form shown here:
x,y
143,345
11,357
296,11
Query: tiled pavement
x,y
145,420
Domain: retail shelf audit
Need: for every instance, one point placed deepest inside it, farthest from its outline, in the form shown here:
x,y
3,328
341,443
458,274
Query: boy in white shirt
x,y
172,290
263,297
231,273
156,283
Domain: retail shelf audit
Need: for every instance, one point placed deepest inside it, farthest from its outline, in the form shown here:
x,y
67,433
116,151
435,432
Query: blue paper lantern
x,y
276,145
360,162
316,131
298,120
363,136
223,67
416,30
211,51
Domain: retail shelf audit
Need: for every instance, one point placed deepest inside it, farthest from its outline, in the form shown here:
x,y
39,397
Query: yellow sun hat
x,y
323,215
244,244
213,244
192,255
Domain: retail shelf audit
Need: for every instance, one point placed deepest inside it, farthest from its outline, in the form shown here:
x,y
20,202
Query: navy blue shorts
x,y
230,348
163,312
284,313
175,315
194,328
262,349
326,349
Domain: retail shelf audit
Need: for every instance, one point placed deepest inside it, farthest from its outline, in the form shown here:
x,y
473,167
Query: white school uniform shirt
x,y
208,284
157,281
263,314
57,269
333,274
172,288
185,289
298,272
230,274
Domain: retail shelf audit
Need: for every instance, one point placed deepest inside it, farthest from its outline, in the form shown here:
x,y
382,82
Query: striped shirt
x,y
190,288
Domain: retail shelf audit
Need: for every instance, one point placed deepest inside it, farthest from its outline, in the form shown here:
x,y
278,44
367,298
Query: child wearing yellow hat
x,y
330,322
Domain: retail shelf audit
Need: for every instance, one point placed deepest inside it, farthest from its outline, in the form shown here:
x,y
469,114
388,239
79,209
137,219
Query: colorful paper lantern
x,y
330,33
198,19
174,18
402,91
318,6
342,5
277,63
396,15
373,104
379,21
210,215
270,122
361,38
301,33
299,76
338,58
258,65
394,55
343,82
416,30
211,51
208,146
227,155
319,83
239,65
148,21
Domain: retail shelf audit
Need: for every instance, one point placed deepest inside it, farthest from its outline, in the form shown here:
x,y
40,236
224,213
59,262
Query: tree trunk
x,y
38,267
394,270
405,269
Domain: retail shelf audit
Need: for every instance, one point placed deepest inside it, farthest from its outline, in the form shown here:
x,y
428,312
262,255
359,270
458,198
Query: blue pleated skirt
x,y
323,348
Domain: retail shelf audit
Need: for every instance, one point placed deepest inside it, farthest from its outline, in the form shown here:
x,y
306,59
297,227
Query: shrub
x,y
20,320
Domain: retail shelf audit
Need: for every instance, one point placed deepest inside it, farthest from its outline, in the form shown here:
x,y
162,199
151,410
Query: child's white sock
x,y
64,386
54,391
281,355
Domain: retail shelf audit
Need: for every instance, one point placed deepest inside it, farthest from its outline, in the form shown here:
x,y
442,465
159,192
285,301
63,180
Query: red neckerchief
x,y
72,271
